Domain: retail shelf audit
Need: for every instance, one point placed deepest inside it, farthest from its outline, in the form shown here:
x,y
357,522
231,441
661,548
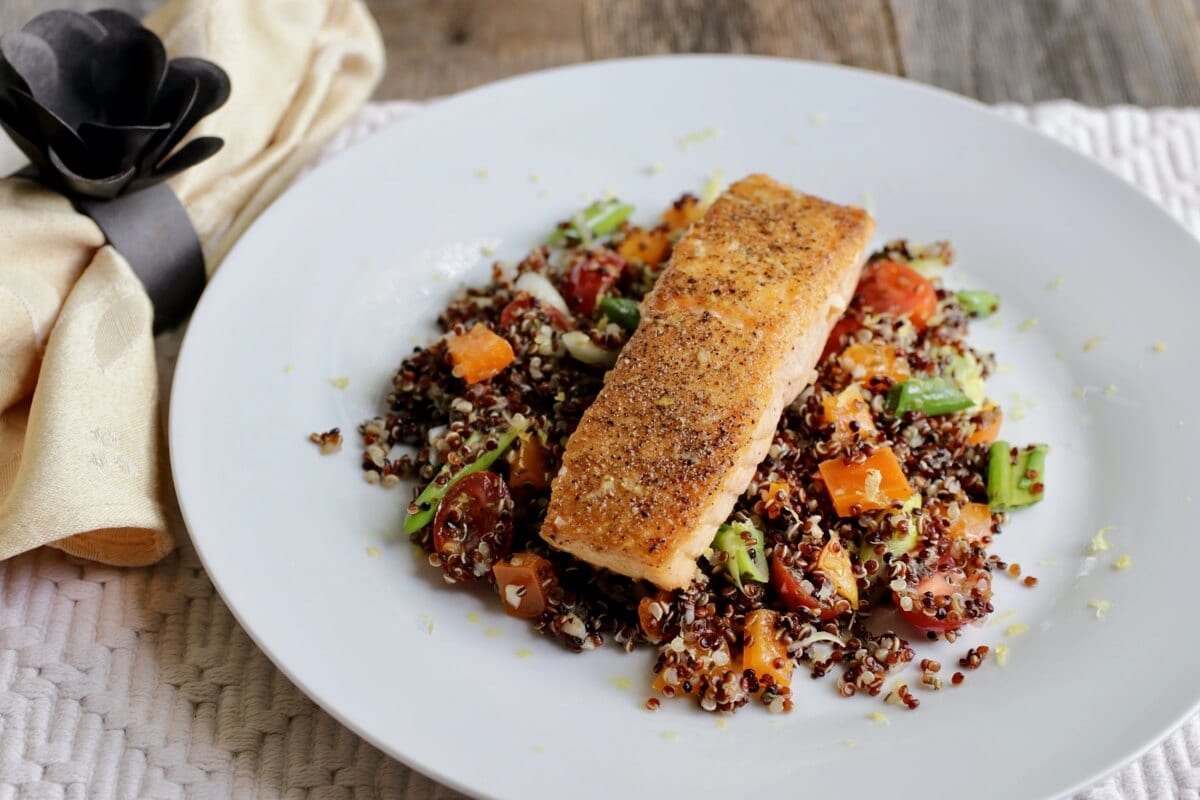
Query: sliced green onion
x,y
429,499
978,304
1016,476
931,396
747,557
600,218
622,311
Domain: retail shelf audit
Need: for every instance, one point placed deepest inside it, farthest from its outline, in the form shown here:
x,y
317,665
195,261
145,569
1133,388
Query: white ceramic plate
x,y
347,271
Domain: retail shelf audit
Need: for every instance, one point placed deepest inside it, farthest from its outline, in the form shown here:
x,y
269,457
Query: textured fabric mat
x,y
139,683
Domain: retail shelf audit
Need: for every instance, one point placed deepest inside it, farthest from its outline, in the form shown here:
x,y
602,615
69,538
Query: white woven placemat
x,y
139,683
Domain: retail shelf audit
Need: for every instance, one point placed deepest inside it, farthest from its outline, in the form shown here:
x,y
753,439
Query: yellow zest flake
x,y
493,633
1007,615
1016,630
712,187
486,250
818,117
1123,563
1101,607
697,137
670,736
1091,344
1056,283
657,168
996,322
1004,369
472,617
481,173
793,138
1078,393
288,369
869,202
539,749
339,383
535,178
523,653
1001,655
1111,389
1048,561
879,718
1028,324
849,742
543,192
427,624
722,723
1160,347
621,683
372,551
1099,542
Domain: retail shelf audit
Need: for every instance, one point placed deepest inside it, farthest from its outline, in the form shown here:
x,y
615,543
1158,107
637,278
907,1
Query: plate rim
x,y
432,106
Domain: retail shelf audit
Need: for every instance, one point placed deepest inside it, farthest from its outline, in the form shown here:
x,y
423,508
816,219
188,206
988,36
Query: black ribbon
x,y
95,104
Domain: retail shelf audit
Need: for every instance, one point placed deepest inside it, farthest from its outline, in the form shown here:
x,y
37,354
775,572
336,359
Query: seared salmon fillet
x,y
729,336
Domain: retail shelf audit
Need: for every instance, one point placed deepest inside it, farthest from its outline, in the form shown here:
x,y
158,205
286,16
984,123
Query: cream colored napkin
x,y
82,454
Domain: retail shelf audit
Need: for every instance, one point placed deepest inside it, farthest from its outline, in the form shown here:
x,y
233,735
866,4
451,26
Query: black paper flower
x,y
96,106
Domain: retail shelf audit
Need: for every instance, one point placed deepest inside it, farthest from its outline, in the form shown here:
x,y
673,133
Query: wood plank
x,y
436,47
853,32
1099,52
15,13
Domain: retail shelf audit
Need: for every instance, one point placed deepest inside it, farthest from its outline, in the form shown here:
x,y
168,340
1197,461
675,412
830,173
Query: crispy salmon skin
x,y
729,336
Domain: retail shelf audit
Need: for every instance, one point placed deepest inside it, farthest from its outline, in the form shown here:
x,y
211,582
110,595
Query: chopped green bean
x,y
931,396
978,304
622,311
1016,476
428,501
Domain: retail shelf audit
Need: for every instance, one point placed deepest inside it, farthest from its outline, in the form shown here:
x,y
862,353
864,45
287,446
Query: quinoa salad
x,y
863,533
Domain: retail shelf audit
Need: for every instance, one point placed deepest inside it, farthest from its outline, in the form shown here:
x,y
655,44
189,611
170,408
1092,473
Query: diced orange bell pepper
x,y
773,498
762,651
479,354
834,563
870,486
683,212
849,406
521,580
709,666
867,360
528,464
987,425
974,522
646,246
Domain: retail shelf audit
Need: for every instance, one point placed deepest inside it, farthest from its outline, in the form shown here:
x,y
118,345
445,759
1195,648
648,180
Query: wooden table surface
x,y
1100,52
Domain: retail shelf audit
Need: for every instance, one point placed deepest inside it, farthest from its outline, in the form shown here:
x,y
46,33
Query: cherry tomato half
x,y
944,582
590,279
796,593
837,337
473,529
888,287
523,303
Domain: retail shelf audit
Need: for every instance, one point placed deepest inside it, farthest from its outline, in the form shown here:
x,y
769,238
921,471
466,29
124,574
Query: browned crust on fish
x,y
729,335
